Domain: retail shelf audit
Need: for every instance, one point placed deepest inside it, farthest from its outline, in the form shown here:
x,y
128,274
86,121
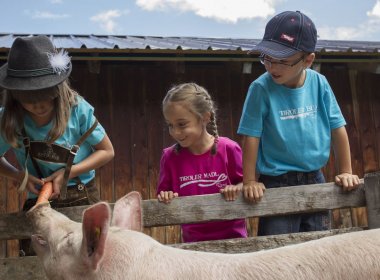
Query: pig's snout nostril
x,y
38,208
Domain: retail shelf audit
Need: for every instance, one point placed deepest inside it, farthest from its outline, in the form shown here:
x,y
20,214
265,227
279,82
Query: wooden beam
x,y
372,194
190,209
253,244
21,268
288,200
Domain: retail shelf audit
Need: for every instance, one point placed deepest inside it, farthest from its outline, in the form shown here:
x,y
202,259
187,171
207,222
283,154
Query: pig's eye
x,y
67,235
41,240
67,239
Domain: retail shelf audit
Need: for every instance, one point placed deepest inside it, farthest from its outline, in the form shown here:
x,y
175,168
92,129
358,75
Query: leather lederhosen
x,y
80,194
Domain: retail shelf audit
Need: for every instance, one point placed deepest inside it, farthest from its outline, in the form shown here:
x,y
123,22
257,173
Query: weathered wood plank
x,y
253,244
288,200
16,225
372,193
213,207
367,123
21,268
121,138
31,268
3,197
155,127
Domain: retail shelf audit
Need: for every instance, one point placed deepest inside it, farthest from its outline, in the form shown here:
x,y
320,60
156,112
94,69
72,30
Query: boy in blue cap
x,y
290,118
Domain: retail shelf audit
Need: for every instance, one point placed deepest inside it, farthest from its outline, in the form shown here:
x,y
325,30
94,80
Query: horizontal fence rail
x,y
288,200
191,209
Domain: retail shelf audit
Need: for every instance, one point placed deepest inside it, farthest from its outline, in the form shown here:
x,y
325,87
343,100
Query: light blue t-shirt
x,y
81,119
294,125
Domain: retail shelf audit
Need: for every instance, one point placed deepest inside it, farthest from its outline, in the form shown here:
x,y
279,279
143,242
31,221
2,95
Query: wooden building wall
x,y
127,99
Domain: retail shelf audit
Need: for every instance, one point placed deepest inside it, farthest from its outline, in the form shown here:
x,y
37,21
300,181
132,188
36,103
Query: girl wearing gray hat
x,y
50,128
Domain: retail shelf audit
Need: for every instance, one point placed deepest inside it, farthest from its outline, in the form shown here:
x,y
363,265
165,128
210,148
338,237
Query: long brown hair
x,y
199,102
12,120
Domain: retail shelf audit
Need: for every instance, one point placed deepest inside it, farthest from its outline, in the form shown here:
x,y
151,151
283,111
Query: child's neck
x,y
41,121
302,79
298,81
203,145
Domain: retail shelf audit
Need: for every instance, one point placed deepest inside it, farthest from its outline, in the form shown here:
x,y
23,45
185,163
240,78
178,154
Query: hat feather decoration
x,y
60,61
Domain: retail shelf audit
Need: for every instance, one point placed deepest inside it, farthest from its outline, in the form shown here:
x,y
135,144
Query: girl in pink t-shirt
x,y
200,162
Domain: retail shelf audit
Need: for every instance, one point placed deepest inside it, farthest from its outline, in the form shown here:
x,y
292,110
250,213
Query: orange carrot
x,y
45,193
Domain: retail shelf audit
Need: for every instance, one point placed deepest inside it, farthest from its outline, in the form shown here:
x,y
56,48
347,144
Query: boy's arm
x,y
341,147
252,189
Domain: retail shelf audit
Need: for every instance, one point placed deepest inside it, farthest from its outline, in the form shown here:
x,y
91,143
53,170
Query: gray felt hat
x,y
34,64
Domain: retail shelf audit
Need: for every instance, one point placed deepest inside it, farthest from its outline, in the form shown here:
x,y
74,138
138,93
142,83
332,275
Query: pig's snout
x,y
38,211
38,207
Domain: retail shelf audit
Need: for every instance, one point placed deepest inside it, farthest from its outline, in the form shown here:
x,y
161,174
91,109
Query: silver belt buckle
x,y
80,187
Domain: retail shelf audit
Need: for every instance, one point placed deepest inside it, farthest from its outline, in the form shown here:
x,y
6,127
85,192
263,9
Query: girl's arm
x,y
341,147
231,192
234,162
166,196
103,153
165,192
252,189
11,172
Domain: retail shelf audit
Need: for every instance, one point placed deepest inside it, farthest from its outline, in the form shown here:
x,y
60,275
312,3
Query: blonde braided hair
x,y
199,102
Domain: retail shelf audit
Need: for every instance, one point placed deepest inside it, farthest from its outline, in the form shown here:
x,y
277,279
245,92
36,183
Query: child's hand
x,y
31,182
57,179
31,187
253,191
231,192
166,197
348,181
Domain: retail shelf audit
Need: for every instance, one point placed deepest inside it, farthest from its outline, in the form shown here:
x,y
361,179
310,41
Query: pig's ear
x,y
95,226
127,212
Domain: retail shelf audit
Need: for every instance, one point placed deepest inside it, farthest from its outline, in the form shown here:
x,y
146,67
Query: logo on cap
x,y
287,38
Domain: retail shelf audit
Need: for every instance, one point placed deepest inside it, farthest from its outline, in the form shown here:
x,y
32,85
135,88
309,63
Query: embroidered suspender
x,y
73,151
69,160
26,142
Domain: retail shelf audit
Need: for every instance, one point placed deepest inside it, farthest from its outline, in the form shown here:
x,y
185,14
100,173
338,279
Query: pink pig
x,y
95,250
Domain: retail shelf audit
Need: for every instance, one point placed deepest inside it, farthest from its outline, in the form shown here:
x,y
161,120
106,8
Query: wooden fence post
x,y
372,194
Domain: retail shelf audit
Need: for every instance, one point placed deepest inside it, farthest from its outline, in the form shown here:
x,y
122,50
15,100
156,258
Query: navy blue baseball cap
x,y
288,33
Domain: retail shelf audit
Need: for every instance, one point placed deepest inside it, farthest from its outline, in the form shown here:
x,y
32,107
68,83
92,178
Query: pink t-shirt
x,y
189,174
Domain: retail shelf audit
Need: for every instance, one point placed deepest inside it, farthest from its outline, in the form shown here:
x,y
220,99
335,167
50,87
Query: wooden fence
x,y
289,200
127,98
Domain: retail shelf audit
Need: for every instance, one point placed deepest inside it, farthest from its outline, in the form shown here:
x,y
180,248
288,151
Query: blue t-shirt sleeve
x,y
86,119
254,110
